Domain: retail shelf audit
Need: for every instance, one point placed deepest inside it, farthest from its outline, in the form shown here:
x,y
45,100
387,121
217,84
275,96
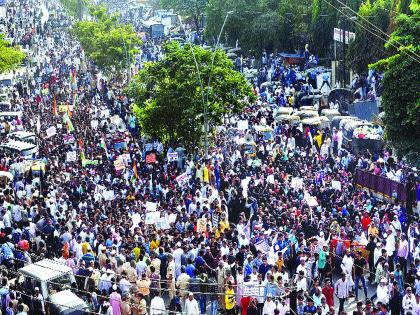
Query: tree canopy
x,y
169,98
112,46
401,95
368,48
10,57
75,8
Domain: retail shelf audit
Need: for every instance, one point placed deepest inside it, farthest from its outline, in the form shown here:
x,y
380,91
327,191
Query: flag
x,y
68,109
74,100
82,150
67,121
103,146
136,175
55,106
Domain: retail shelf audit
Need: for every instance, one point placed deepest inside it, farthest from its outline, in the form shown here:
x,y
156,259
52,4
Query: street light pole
x,y
206,105
206,101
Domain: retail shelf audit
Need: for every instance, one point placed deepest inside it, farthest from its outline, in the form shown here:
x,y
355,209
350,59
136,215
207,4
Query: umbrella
x,y
266,84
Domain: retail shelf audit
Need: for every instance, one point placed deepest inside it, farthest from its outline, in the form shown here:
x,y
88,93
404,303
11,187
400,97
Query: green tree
x,y
10,57
75,8
169,99
190,8
368,48
401,95
110,45
323,20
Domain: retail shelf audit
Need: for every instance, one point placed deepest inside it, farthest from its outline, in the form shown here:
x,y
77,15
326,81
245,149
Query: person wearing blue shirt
x,y
264,268
190,268
248,266
310,308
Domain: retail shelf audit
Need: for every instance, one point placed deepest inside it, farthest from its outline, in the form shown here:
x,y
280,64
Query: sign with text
x,y
338,35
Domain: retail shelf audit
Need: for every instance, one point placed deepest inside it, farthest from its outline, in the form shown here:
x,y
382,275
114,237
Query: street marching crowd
x,y
276,229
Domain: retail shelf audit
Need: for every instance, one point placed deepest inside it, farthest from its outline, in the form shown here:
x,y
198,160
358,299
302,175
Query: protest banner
x,y
297,183
172,157
336,184
152,217
71,156
52,131
151,206
151,158
126,158
162,224
243,124
201,225
119,165
262,246
108,195
250,289
68,139
183,179
311,201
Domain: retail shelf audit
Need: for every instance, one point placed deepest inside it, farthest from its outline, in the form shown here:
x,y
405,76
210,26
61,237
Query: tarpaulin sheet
x,y
364,110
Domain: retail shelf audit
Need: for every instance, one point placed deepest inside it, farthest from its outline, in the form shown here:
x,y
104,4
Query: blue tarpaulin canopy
x,y
3,2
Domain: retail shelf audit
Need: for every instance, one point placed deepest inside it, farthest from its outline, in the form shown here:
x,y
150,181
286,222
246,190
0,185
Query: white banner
x,y
152,217
183,179
151,206
338,35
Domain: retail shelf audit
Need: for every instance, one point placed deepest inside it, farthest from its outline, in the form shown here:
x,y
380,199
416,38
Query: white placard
x,y
151,206
52,131
162,224
172,157
297,183
270,179
126,158
71,156
243,124
336,184
172,218
338,35
183,179
311,201
108,195
152,217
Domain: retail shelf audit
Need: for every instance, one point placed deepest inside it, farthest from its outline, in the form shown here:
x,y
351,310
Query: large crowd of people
x,y
273,226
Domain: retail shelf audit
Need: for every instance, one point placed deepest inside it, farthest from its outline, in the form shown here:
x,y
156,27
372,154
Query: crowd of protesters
x,y
274,228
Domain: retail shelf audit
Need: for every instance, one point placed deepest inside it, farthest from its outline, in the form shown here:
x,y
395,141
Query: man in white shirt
x,y
347,267
341,289
191,305
157,305
269,306
408,301
382,292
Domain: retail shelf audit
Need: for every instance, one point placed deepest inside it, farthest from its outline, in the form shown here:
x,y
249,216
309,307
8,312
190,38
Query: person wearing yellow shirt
x,y
206,174
280,262
136,253
154,244
373,230
85,246
230,299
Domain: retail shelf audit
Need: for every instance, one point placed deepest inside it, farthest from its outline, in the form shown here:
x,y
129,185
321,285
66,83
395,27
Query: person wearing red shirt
x,y
328,292
365,221
244,304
